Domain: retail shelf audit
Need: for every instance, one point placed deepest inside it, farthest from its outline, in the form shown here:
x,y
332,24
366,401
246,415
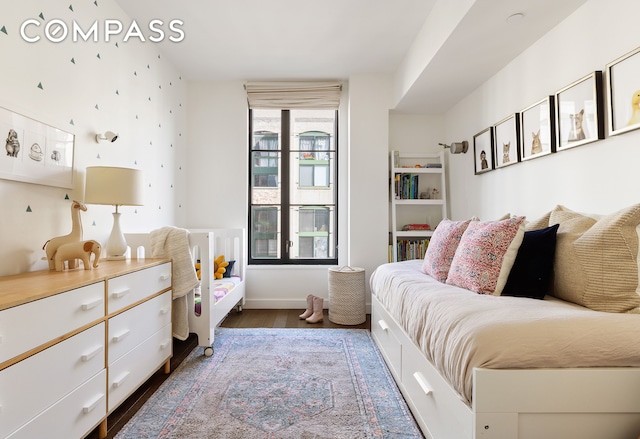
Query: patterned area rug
x,y
278,383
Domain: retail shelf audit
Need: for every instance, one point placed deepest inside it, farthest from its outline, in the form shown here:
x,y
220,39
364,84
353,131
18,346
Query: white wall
x,y
218,155
90,87
368,186
218,178
600,177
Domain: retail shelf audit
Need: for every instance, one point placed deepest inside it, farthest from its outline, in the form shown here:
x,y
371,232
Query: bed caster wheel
x,y
208,351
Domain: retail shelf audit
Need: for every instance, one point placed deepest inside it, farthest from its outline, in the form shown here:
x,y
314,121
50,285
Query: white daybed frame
x,y
583,403
206,245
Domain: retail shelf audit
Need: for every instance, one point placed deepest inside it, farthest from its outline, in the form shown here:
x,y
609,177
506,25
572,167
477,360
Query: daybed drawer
x,y
432,397
382,329
130,288
27,326
30,386
126,374
130,328
73,416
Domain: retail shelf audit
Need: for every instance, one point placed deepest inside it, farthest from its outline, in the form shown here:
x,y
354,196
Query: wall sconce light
x,y
108,136
457,147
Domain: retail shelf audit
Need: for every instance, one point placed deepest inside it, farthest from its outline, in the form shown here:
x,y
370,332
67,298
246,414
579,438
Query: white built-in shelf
x,y
415,209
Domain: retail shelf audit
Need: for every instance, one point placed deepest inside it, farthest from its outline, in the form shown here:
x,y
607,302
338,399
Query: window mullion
x,y
285,149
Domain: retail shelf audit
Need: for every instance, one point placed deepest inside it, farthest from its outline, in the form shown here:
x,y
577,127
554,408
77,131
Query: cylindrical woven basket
x,y
347,295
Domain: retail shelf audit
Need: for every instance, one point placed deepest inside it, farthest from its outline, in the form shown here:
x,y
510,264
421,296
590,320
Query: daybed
x,y
210,302
489,365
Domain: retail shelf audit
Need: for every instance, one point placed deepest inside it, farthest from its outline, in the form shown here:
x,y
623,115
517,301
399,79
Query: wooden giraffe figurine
x,y
75,236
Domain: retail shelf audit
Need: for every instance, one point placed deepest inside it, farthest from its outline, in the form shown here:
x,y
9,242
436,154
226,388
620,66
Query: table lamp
x,y
118,187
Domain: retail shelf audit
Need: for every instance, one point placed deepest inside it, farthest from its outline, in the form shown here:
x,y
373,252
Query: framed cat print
x,y
506,141
538,129
579,112
483,151
623,93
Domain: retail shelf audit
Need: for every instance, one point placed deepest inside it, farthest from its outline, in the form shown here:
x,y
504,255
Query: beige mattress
x,y
459,330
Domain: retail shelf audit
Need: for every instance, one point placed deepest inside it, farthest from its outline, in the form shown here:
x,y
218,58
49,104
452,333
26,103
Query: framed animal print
x,y
483,151
506,142
623,93
35,152
538,129
580,112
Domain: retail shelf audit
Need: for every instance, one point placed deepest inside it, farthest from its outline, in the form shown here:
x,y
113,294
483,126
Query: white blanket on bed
x,y
459,330
173,242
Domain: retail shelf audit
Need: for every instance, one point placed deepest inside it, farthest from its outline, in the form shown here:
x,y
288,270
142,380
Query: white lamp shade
x,y
114,186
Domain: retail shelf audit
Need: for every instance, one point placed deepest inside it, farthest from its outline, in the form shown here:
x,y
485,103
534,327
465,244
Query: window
x,y
293,190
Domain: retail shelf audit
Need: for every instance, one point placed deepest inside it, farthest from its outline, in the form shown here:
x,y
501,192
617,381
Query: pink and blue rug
x,y
279,383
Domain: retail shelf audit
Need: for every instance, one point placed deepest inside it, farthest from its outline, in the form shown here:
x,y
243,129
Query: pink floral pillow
x,y
486,254
442,248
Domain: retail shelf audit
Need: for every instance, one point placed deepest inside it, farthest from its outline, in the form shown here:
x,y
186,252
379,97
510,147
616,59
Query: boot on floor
x,y
317,315
309,309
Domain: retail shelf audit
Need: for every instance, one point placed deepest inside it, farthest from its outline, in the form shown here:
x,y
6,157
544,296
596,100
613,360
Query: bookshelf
x,y
413,202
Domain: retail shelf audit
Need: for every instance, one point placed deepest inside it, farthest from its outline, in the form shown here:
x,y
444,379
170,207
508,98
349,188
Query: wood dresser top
x,y
22,288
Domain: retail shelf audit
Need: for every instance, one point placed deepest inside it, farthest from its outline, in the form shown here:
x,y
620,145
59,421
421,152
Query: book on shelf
x,y
415,226
406,186
407,249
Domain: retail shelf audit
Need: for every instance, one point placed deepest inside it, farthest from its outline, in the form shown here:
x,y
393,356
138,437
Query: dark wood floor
x,y
249,318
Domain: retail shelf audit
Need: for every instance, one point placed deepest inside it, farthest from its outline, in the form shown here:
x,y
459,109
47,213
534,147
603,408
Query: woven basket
x,y
347,295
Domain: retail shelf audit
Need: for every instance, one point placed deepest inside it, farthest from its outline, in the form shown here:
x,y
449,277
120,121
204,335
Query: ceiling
x,y
335,39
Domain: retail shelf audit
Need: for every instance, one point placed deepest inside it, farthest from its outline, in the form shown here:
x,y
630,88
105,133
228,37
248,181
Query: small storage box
x,y
347,295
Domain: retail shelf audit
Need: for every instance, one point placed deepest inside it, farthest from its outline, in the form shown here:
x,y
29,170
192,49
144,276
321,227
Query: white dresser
x,y
75,344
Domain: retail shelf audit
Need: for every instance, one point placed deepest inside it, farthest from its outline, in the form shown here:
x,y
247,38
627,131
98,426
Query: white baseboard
x,y
285,304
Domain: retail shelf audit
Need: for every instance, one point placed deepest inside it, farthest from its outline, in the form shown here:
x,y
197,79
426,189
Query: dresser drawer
x,y
131,370
72,417
30,325
132,327
130,288
35,383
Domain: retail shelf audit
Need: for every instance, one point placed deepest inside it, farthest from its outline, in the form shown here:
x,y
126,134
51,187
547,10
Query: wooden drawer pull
x,y
90,355
93,404
122,379
121,336
91,305
119,294
383,325
422,382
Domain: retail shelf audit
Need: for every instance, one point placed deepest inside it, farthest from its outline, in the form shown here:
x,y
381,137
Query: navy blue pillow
x,y
532,270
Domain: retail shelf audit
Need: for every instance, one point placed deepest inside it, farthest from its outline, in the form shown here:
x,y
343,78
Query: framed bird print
x,y
623,93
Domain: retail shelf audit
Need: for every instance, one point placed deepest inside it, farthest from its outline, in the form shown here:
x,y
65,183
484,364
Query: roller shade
x,y
289,95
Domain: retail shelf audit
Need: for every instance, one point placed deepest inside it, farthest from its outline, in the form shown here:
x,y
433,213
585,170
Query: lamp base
x,y
114,258
116,245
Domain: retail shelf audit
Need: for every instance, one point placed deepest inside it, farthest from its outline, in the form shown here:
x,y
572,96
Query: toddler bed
x,y
210,302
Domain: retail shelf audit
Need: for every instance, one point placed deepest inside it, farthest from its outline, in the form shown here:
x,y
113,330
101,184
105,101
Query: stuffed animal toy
x,y
219,265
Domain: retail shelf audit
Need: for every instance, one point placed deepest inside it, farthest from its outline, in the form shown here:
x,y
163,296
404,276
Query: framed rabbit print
x,y
537,129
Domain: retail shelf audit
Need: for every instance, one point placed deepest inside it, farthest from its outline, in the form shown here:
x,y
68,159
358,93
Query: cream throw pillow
x,y
596,263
